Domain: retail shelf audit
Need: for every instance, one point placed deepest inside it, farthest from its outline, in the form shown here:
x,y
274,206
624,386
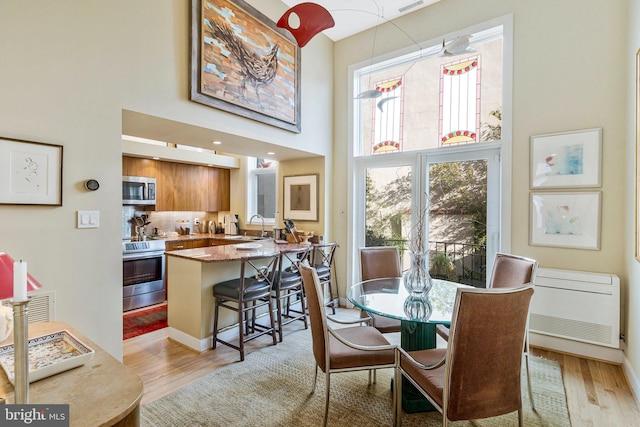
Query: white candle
x,y
20,281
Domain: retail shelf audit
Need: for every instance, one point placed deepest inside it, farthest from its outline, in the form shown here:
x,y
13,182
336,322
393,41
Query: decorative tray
x,y
248,246
48,355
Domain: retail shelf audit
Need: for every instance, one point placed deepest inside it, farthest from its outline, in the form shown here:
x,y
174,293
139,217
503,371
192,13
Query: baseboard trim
x,y
591,351
632,379
189,341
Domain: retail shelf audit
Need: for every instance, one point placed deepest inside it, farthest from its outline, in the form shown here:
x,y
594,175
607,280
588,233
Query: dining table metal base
x,y
416,336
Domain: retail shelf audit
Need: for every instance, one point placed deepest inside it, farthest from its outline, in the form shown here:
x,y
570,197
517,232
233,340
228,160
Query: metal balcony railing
x,y
458,262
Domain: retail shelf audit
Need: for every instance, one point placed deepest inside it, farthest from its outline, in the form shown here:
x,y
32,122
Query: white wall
x,y
68,70
568,74
632,301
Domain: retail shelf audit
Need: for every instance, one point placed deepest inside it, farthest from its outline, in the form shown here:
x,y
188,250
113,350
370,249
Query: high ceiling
x,y
354,16
350,16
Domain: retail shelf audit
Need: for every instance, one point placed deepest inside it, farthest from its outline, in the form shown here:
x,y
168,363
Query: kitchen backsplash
x,y
164,221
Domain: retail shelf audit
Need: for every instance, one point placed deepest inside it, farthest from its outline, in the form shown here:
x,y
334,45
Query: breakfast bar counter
x,y
191,274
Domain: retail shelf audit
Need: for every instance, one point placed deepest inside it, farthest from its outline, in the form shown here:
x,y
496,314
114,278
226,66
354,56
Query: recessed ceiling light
x,y
271,153
216,142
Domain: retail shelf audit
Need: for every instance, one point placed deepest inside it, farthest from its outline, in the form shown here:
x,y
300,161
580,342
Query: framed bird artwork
x,y
241,62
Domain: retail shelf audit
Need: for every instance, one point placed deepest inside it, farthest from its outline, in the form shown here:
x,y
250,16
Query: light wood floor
x,y
597,392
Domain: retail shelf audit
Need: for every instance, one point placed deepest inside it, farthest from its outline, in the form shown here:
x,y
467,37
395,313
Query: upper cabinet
x,y
183,187
133,166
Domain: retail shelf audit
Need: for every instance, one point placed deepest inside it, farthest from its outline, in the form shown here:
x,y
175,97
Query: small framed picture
x,y
30,173
301,197
567,220
567,159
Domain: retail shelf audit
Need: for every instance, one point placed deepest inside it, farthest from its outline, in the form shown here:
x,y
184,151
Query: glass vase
x,y
418,308
417,280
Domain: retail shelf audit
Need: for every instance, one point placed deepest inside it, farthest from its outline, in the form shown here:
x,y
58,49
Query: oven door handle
x,y
141,255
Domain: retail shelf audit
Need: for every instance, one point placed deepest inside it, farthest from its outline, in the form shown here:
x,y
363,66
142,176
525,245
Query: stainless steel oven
x,y
143,267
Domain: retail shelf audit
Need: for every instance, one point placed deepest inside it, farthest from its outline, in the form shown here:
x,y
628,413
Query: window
x,y
428,132
262,188
423,100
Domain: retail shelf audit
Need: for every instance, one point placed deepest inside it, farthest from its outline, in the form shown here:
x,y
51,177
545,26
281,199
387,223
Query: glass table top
x,y
388,297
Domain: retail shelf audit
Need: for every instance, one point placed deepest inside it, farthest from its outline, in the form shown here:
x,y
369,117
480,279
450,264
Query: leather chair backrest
x,y
512,270
379,261
317,315
483,364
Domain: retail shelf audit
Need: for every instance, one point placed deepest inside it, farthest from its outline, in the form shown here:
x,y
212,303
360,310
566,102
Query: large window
x,y
262,189
428,133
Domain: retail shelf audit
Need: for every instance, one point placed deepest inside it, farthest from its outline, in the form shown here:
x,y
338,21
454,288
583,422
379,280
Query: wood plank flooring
x,y
597,392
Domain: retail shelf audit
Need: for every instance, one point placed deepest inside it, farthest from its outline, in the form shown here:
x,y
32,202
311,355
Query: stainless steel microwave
x,y
138,190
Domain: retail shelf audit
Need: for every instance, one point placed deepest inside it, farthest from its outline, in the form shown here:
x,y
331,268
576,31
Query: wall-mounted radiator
x,y
577,305
42,306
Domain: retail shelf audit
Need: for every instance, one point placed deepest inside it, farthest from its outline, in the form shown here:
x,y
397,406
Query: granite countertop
x,y
202,236
234,252
182,237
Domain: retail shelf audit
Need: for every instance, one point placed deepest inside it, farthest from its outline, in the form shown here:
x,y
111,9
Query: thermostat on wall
x,y
91,184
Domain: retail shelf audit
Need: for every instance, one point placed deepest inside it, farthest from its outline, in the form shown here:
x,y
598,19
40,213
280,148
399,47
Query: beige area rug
x,y
271,388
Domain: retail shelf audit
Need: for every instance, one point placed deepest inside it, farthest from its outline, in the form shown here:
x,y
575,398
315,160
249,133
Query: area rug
x,y
272,388
144,321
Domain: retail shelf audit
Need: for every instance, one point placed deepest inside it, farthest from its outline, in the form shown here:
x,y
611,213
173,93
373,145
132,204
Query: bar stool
x,y
250,291
288,287
322,257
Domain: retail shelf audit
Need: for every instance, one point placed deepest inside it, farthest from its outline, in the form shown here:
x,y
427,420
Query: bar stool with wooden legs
x,y
288,288
248,292
322,256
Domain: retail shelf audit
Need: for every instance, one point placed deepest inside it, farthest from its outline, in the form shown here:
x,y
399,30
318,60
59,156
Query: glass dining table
x,y
418,315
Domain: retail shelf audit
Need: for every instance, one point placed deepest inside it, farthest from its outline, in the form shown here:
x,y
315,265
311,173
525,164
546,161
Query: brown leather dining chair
x,y
353,348
377,262
478,374
508,271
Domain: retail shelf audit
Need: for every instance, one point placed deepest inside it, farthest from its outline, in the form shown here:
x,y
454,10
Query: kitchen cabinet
x,y
171,187
200,243
183,187
186,244
134,166
219,190
181,244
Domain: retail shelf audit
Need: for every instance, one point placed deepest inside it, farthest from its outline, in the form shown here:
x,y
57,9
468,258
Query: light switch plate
x,y
88,219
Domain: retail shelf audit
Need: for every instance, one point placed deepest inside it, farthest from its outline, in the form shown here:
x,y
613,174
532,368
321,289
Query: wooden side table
x,y
102,392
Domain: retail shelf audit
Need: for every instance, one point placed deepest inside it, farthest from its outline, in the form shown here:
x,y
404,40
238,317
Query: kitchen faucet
x,y
262,219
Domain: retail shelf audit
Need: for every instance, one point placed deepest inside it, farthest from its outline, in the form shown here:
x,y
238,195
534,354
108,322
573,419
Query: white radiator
x,y
42,306
577,305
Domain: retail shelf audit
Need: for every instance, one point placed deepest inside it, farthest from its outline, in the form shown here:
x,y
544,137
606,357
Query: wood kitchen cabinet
x,y
219,187
171,187
186,244
183,187
134,166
